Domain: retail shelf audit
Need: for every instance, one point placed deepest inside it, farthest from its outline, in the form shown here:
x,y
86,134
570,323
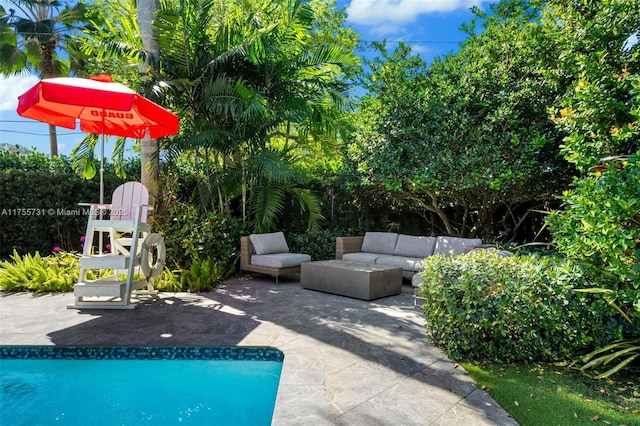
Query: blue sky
x,y
430,27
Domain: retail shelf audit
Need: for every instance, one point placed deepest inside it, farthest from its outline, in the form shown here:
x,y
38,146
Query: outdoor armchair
x,y
269,254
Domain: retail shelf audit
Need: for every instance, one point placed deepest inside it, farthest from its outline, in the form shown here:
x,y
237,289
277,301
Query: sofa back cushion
x,y
269,243
413,246
379,242
454,245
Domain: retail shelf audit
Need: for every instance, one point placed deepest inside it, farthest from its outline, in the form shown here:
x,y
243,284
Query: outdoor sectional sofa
x,y
400,250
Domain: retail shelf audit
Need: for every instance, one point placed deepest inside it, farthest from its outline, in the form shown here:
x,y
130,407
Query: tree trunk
x,y
149,164
149,158
53,141
46,51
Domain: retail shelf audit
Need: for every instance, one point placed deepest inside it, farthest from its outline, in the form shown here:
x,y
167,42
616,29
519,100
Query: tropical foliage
x,y
248,79
56,273
192,235
245,79
35,38
600,227
466,142
204,275
600,224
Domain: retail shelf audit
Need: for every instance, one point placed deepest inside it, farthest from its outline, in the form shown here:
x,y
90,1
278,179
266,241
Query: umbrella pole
x,y
102,170
100,236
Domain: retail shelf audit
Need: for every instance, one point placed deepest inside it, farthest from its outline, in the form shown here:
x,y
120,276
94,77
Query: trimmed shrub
x,y
519,308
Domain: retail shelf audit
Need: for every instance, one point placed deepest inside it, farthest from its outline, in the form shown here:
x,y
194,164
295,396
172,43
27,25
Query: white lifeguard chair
x,y
130,240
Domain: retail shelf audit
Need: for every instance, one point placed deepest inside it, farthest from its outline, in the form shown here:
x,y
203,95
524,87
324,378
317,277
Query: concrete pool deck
x,y
347,361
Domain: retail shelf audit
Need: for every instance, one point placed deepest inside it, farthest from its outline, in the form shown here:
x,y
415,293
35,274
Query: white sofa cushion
x,y
454,245
269,243
379,242
406,263
414,246
280,260
360,257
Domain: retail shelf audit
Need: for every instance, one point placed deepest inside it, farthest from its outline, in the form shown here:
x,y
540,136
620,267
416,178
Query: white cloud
x,y
420,49
12,87
377,12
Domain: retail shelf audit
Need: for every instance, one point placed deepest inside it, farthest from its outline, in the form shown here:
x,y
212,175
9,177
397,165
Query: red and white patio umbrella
x,y
101,106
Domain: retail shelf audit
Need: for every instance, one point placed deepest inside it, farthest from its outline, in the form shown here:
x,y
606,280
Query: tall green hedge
x,y
519,308
39,200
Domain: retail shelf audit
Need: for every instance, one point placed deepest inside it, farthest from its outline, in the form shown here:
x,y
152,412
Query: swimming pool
x,y
89,385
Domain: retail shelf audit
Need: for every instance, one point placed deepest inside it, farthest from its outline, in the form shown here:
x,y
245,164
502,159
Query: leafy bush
x,y
56,273
191,235
519,308
320,245
600,228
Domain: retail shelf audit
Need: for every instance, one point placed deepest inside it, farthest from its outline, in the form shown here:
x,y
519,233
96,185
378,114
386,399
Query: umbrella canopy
x,y
100,105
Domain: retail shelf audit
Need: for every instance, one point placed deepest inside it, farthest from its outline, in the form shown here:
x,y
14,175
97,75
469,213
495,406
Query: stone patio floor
x,y
347,361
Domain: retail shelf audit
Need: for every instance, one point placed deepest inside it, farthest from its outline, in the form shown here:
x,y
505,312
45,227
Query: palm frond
x,y
117,155
206,136
267,204
274,165
83,159
629,348
309,205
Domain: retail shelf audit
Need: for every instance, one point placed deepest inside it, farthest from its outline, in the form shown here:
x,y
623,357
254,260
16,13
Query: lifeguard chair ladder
x,y
127,229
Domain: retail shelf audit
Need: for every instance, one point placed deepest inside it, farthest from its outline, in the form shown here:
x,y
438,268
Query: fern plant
x,y
204,275
34,273
168,280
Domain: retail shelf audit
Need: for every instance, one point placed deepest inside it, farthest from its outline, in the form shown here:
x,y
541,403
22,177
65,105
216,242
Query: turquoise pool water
x,y
138,386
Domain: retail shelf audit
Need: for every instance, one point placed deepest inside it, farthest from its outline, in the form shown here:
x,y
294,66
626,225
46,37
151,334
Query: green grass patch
x,y
545,394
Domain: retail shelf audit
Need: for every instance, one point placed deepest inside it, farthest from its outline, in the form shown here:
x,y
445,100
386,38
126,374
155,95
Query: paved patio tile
x,y
347,361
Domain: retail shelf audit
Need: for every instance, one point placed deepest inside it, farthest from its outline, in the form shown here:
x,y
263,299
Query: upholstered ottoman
x,y
351,279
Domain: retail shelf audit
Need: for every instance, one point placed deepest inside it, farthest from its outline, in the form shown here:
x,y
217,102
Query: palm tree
x,y
121,36
150,148
242,77
31,37
275,186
